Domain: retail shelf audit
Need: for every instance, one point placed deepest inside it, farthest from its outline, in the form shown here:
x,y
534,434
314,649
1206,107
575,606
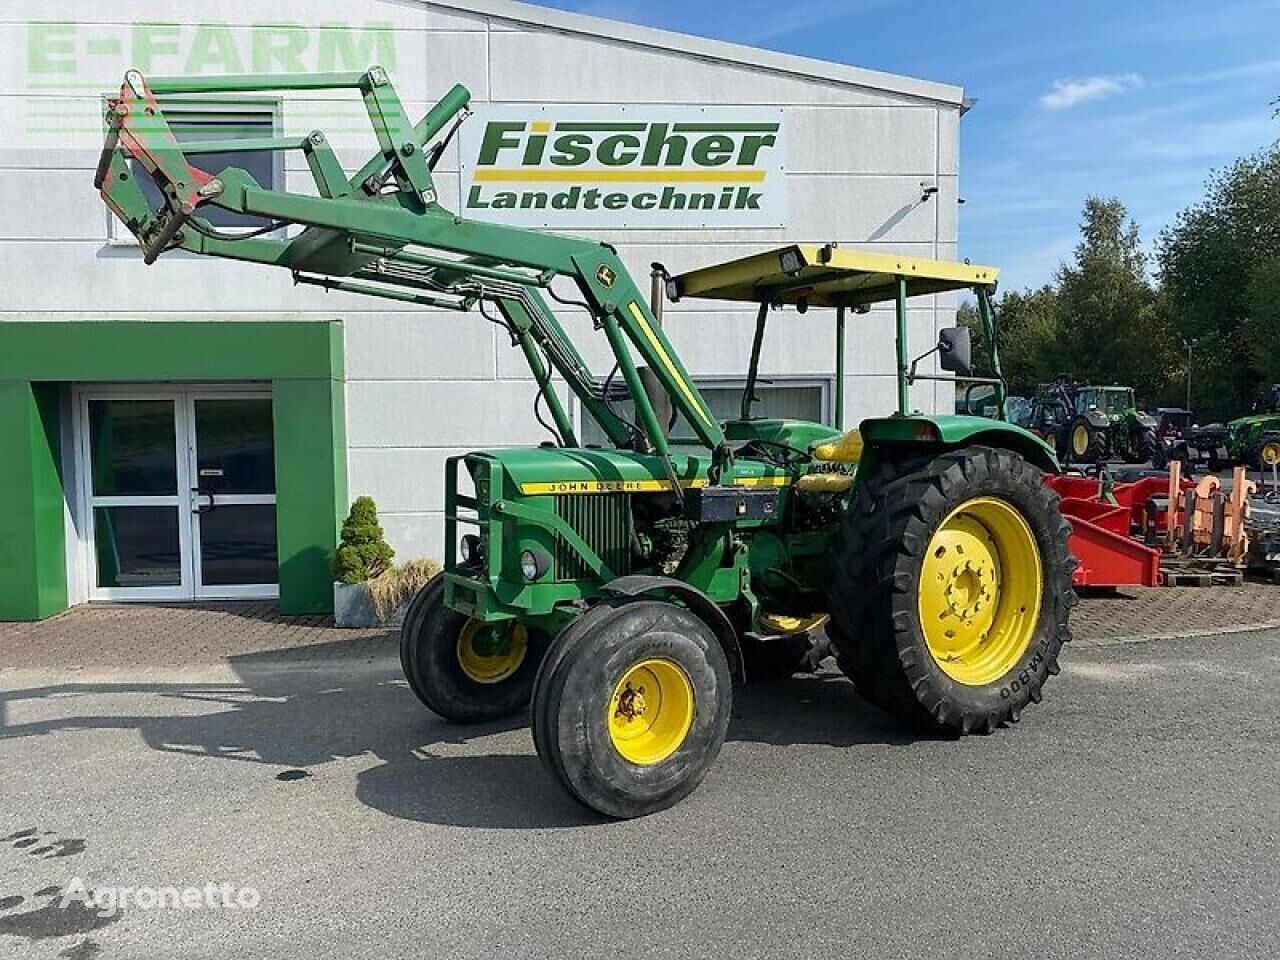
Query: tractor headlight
x,y
790,261
532,565
471,549
673,291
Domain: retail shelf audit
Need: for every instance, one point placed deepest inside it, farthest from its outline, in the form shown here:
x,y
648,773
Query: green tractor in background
x,y
1106,424
1255,439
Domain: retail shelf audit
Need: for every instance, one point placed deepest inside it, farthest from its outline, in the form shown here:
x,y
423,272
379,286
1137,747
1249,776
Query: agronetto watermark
x,y
107,901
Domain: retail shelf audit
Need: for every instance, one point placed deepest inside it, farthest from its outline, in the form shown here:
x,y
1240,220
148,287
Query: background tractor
x,y
1088,424
1253,440
610,590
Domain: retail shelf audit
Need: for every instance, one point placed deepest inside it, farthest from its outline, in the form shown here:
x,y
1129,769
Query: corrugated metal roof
x,y
666,40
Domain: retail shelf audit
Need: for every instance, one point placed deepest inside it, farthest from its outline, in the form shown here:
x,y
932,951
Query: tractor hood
x,y
1253,420
552,470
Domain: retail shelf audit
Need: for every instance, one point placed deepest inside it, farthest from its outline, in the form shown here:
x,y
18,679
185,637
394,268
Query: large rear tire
x,y
951,589
465,670
631,706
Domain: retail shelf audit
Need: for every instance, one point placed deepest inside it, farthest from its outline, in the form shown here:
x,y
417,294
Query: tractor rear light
x,y
926,431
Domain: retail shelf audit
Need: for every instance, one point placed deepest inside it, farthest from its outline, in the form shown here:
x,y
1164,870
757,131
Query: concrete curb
x,y
1183,635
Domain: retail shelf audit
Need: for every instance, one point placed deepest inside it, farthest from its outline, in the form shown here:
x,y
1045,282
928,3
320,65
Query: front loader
x,y
610,591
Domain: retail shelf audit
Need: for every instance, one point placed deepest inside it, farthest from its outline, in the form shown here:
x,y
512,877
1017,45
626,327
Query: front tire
x,y
631,706
1264,453
951,589
1085,442
465,670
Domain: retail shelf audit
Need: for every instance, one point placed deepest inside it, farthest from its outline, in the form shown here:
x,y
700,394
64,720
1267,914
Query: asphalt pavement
x,y
1134,813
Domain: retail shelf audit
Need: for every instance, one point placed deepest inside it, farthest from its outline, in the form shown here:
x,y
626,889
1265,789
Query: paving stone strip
x,y
179,635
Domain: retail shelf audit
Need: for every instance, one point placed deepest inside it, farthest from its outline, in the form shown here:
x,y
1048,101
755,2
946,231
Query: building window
x,y
791,398
218,120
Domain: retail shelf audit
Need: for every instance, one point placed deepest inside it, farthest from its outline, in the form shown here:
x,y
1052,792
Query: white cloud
x,y
1068,93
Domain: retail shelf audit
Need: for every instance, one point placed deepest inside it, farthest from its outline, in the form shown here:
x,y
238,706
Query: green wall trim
x,y
85,351
33,566
303,359
310,426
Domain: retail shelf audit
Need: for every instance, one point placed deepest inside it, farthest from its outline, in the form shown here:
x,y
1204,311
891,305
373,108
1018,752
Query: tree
x,y
1261,326
1209,258
1111,329
1028,336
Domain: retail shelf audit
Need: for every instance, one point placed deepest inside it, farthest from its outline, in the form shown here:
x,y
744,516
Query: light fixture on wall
x,y
927,190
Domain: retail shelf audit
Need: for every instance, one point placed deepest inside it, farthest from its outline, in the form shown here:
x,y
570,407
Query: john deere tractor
x,y
610,590
1255,439
1088,424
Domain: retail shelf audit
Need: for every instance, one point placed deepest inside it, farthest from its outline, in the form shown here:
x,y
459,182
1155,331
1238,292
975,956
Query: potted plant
x,y
362,556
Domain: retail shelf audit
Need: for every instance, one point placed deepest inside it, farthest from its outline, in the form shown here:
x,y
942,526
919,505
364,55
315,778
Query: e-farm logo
x,y
678,166
60,52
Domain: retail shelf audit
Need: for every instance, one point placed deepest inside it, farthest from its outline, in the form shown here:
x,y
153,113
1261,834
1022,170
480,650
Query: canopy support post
x,y
749,391
900,304
839,411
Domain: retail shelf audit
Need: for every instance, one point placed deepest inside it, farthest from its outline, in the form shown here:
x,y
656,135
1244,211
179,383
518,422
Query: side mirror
x,y
954,352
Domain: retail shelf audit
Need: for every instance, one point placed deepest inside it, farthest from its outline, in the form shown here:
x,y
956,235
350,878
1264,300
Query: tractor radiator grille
x,y
602,520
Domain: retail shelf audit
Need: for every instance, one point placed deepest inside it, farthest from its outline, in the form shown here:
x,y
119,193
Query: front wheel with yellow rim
x,y
951,589
631,706
1265,453
466,670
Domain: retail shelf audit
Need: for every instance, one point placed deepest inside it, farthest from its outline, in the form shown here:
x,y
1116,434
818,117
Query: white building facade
x,y
859,158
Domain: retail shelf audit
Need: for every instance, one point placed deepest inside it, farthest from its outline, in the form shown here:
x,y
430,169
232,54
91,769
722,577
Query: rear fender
x,y
905,435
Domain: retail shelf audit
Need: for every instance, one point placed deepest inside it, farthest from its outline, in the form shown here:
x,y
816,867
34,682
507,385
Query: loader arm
x,y
381,232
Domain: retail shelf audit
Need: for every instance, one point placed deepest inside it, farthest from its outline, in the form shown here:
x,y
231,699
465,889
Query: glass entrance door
x,y
180,494
233,495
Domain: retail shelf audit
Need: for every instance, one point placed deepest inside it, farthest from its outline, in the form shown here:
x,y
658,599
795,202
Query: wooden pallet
x,y
1194,573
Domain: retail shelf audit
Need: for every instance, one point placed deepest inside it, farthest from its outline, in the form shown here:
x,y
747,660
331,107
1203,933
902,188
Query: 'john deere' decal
x,y
614,166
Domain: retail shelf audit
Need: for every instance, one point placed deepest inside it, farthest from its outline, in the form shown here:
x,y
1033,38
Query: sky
x,y
1137,99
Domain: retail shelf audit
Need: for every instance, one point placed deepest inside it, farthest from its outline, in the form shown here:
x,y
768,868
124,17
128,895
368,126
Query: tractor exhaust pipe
x,y
653,388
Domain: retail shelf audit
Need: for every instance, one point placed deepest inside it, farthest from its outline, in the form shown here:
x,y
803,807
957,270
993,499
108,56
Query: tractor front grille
x,y
603,521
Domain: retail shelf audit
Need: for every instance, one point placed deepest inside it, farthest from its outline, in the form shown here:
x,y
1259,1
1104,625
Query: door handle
x,y
200,509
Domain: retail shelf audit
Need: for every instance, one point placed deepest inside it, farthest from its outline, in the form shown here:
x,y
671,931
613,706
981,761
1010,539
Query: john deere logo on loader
x,y
615,166
605,276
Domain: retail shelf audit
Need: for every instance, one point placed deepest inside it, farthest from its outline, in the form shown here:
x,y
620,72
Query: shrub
x,y
363,553
398,585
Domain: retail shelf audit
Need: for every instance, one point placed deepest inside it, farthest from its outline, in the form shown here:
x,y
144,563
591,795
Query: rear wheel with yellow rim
x,y
951,588
466,670
631,706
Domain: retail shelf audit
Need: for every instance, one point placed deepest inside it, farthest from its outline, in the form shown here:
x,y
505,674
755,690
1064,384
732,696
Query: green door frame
x,y
303,361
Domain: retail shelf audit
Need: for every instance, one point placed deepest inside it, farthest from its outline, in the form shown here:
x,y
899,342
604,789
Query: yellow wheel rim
x,y
651,711
980,591
1271,453
1080,440
491,652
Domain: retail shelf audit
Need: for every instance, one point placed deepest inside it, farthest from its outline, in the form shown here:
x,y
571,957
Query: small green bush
x,y
363,553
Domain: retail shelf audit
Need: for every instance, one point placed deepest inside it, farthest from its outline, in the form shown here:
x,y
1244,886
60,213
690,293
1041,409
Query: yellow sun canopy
x,y
826,276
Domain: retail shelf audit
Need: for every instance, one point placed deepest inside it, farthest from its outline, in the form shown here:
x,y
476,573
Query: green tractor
x,y
1106,424
1255,439
610,591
